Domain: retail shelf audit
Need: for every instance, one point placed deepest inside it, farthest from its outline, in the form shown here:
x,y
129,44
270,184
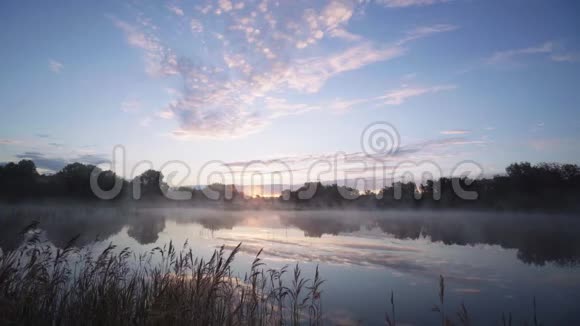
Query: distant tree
x,y
76,179
518,170
24,168
18,179
220,192
151,184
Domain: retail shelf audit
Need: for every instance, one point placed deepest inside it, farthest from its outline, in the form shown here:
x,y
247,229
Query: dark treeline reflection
x,y
538,239
86,224
544,186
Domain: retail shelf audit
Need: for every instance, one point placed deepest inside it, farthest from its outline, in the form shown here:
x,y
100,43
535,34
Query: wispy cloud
x,y
342,105
167,115
9,141
311,74
130,105
400,95
281,106
345,35
455,132
357,165
55,66
551,50
175,9
261,60
331,20
196,26
566,57
52,163
225,5
392,97
425,31
159,59
409,3
506,55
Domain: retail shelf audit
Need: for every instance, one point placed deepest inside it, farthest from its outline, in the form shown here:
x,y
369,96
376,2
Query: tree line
x,y
548,186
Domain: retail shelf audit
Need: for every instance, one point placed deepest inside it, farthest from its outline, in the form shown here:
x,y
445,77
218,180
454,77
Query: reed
x,y
41,285
463,317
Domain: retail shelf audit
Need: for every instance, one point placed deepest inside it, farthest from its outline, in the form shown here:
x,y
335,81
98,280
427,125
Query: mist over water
x,y
494,262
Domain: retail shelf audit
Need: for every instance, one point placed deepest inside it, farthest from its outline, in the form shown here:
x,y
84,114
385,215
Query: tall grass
x,y
40,285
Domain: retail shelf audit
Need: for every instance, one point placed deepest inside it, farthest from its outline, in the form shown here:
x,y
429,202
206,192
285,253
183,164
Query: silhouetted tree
x,y
18,179
151,184
76,178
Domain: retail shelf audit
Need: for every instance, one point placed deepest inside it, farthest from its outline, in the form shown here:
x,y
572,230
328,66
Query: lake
x,y
494,263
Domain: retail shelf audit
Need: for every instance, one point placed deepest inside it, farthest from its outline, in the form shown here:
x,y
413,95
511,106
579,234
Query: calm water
x,y
493,263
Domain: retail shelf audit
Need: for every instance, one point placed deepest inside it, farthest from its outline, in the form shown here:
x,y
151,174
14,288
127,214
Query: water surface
x,y
492,262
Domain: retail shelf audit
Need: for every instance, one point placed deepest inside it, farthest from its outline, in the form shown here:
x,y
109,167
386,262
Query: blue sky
x,y
488,81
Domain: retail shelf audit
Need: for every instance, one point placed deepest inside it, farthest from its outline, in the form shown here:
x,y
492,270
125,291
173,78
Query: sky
x,y
290,83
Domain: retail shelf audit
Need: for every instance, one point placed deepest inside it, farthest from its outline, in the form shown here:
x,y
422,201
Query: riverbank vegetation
x,y
40,285
544,186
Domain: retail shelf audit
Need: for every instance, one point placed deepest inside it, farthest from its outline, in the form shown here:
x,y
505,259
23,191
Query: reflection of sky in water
x,y
362,264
